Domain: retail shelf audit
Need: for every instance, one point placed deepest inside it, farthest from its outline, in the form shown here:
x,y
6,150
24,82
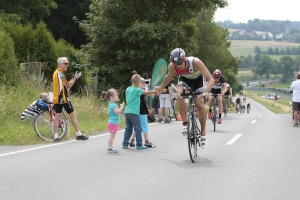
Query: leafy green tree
x,y
126,35
288,51
9,68
246,63
270,51
296,37
264,66
28,10
276,51
276,68
287,68
257,50
297,63
256,59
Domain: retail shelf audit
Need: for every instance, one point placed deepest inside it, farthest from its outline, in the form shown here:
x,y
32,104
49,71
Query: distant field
x,y
246,47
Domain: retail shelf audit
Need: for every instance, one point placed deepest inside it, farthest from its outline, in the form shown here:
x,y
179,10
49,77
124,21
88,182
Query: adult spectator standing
x,y
165,103
174,97
295,88
61,97
191,71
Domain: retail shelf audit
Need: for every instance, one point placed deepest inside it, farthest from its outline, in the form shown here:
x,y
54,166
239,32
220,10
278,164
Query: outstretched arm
x,y
167,79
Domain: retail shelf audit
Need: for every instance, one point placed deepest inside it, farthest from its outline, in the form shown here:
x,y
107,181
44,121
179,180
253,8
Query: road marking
x,y
235,138
253,121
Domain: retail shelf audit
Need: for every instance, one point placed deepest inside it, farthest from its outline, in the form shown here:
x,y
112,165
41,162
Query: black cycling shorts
x,y
193,83
216,91
67,106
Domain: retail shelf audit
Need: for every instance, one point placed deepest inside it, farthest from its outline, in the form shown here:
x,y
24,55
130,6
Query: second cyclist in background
x,y
220,82
238,105
228,94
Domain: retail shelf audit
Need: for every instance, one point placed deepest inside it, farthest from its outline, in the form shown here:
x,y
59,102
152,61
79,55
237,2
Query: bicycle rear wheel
x,y
214,117
44,127
192,138
225,108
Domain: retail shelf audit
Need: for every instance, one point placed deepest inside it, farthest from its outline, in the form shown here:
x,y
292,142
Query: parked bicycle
x,y
193,131
44,124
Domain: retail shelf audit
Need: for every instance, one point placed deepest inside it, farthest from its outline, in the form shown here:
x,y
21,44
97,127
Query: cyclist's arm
x,y
224,88
199,66
168,77
170,92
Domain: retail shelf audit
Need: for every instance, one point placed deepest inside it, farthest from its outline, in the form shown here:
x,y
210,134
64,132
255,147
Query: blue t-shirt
x,y
112,117
133,101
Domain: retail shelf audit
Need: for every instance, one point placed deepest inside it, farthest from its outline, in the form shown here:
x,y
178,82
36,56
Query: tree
x,y
29,11
270,51
276,51
126,35
9,68
257,50
264,66
287,69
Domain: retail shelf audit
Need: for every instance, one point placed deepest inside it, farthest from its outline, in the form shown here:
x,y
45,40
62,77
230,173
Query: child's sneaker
x,y
295,125
149,144
160,120
112,150
141,147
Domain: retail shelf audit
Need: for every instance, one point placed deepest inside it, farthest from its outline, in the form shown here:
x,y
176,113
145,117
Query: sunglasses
x,y
179,62
65,63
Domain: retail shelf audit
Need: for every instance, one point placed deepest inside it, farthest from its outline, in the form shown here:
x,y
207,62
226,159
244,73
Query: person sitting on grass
x,y
34,108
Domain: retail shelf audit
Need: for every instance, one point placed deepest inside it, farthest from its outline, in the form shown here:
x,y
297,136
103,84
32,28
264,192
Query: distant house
x,y
264,34
279,36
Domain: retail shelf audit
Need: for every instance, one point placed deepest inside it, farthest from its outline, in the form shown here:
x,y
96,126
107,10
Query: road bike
x,y
44,124
225,105
214,117
193,130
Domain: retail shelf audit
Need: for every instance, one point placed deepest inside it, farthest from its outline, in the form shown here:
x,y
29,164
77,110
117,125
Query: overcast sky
x,y
244,10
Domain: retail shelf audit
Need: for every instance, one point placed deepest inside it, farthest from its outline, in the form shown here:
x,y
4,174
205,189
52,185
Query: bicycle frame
x,y
214,113
44,124
192,127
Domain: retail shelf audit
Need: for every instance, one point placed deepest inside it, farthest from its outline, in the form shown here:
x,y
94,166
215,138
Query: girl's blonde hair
x,y
106,95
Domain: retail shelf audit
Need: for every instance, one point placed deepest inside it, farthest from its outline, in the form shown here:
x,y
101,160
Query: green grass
x,y
91,112
281,106
246,47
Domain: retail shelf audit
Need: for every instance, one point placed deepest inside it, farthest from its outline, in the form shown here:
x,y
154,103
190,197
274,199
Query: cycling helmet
x,y
217,73
177,56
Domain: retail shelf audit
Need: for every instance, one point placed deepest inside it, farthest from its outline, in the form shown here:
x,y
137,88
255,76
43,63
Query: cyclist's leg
x,y
220,105
201,111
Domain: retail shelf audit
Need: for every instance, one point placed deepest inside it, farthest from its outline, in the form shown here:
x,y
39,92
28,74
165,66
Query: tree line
x,y
112,38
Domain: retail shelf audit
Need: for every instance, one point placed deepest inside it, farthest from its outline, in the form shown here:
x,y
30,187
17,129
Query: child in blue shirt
x,y
113,116
132,112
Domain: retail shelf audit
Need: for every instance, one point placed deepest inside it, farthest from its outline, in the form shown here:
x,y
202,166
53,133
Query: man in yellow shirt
x,y
61,97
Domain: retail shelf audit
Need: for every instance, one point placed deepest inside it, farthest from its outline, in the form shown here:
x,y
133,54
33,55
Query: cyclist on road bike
x,y
229,95
248,107
220,82
191,71
238,103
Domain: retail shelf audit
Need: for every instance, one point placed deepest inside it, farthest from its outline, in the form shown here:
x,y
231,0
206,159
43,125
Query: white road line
x,y
235,138
56,144
253,121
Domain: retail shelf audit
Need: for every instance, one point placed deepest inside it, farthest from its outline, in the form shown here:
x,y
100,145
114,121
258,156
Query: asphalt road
x,y
250,156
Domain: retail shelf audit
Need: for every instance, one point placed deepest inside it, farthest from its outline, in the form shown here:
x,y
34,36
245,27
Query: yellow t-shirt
x,y
60,89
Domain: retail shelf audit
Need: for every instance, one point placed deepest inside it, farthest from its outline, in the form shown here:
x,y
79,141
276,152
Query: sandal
x,y
203,141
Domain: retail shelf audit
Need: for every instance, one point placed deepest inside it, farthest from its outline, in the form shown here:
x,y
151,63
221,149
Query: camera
x,y
147,82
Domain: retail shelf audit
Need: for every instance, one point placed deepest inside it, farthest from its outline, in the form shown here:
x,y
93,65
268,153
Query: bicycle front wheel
x,y
43,126
192,138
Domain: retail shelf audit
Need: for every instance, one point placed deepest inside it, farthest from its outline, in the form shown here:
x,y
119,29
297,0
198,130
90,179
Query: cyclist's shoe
x,y
295,125
209,115
219,120
160,120
184,130
82,137
203,141
131,143
167,121
56,140
141,147
112,150
149,144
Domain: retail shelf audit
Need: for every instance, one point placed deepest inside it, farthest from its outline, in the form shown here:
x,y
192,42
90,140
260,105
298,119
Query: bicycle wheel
x,y
192,138
225,108
44,127
214,117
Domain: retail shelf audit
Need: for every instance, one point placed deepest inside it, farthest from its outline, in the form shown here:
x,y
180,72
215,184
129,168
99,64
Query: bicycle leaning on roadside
x,y
193,131
44,124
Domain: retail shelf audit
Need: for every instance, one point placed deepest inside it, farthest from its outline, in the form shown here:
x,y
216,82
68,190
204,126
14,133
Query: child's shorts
x,y
113,128
144,123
